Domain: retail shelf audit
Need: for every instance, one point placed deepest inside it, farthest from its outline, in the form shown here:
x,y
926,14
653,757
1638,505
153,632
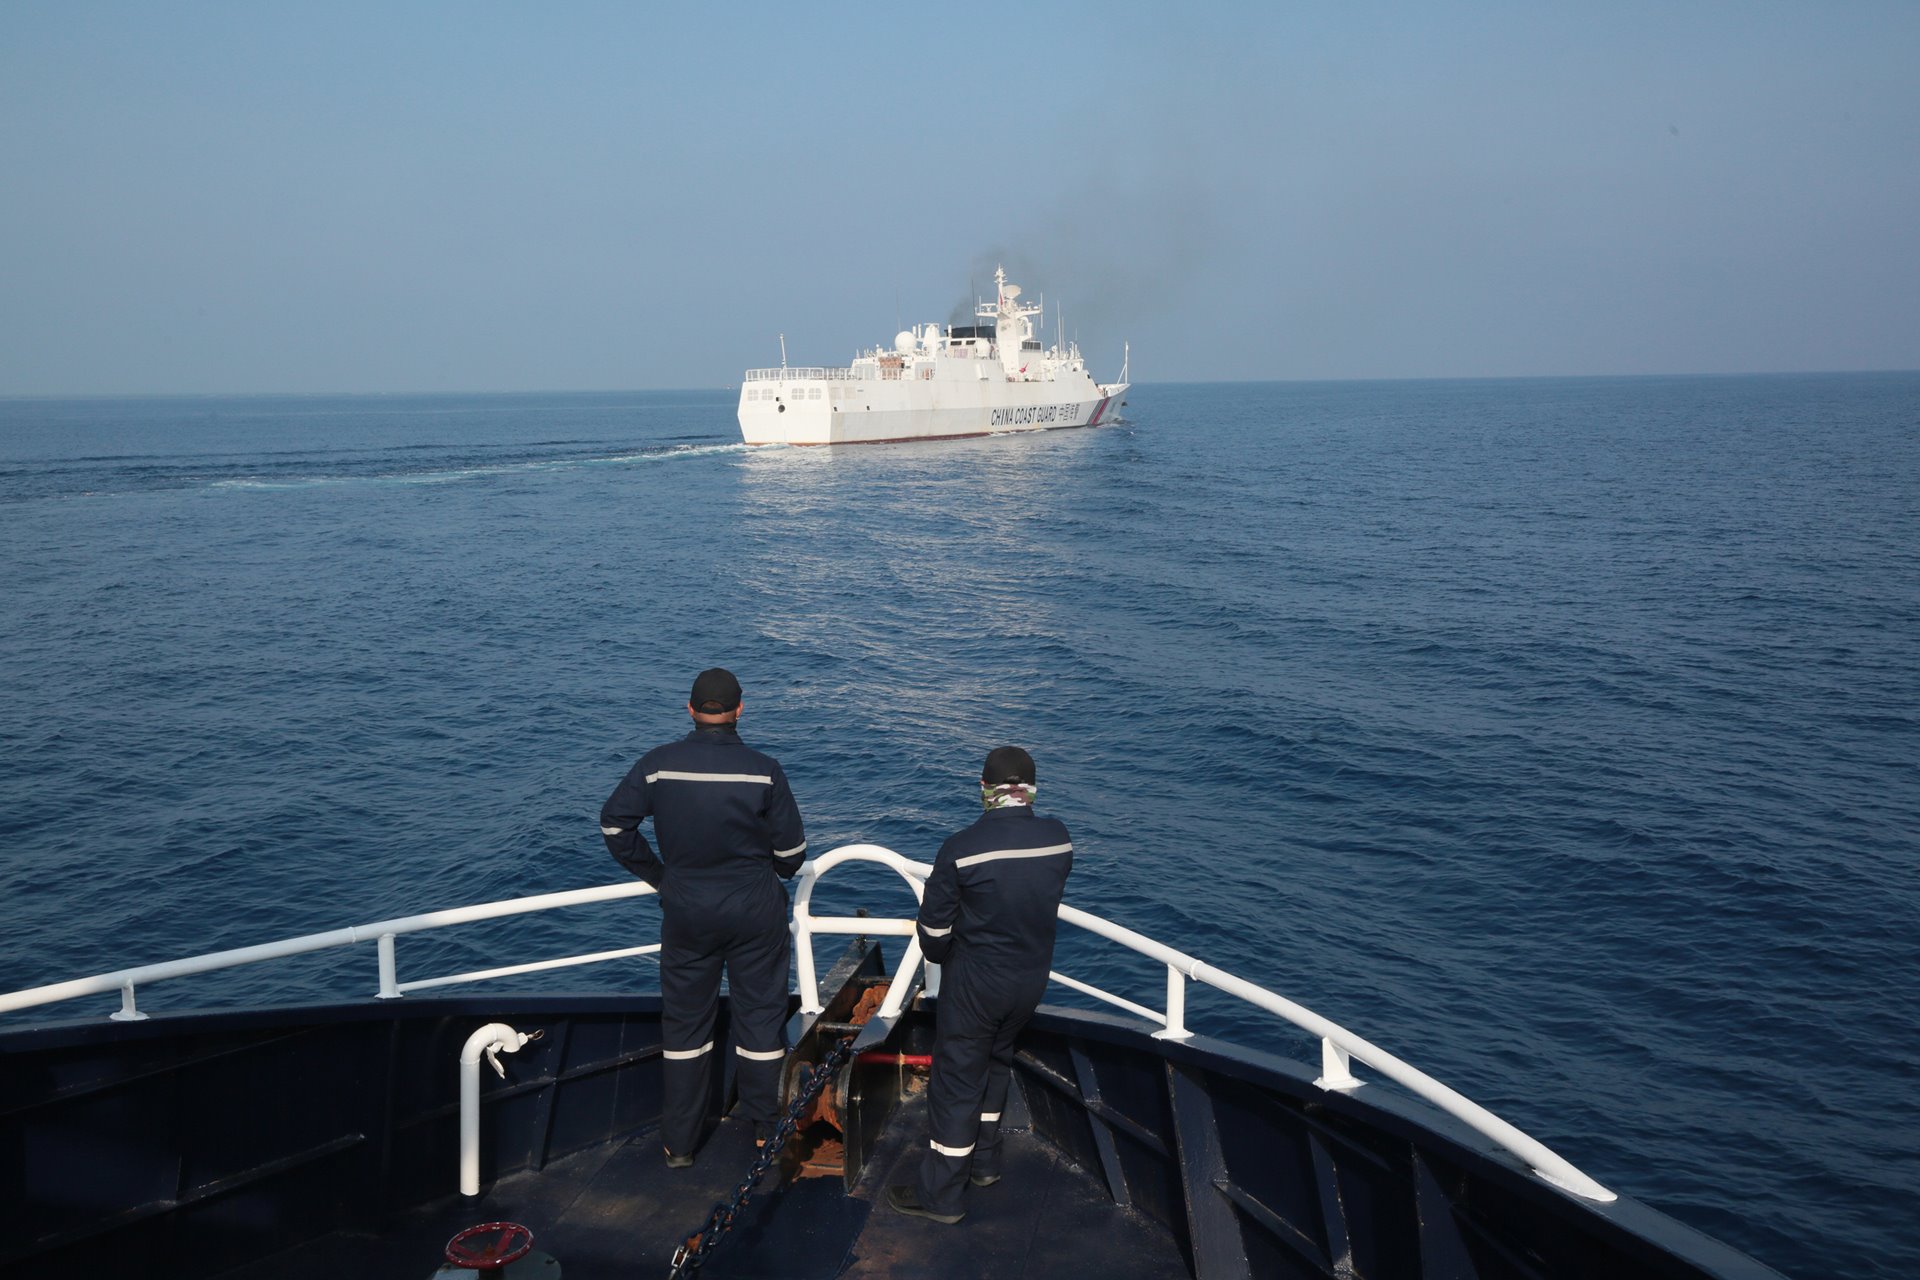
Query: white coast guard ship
x,y
935,383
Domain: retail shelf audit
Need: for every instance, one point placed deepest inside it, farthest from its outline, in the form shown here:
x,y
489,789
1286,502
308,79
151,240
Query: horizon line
x,y
1183,382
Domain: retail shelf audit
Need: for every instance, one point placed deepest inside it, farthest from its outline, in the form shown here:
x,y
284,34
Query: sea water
x,y
1558,735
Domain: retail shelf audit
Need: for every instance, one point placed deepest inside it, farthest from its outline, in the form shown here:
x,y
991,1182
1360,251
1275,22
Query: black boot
x,y
907,1200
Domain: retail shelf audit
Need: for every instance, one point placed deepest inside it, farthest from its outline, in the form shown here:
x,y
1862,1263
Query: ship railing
x,y
382,933
811,373
1339,1047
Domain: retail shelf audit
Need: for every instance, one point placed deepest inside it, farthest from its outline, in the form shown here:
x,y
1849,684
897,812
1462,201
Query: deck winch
x,y
839,1132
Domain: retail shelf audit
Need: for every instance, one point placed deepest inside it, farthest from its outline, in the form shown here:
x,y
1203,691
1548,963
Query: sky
x,y
428,197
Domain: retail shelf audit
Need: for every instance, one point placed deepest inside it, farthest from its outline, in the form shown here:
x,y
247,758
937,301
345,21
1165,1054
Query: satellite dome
x,y
903,341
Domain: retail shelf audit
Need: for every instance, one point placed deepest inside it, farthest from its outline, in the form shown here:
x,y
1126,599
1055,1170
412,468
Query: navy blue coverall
x,y
987,917
729,833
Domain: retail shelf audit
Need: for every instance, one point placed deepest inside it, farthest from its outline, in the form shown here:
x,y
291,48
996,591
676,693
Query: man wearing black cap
x,y
987,916
729,833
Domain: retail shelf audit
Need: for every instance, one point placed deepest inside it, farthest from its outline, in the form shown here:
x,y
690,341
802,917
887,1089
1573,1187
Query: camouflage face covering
x,y
1006,794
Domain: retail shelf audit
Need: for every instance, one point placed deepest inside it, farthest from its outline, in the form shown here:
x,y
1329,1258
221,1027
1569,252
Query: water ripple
x,y
1557,735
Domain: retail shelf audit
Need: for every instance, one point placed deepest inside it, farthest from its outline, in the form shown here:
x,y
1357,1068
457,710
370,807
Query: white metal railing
x,y
806,924
811,373
1339,1047
381,932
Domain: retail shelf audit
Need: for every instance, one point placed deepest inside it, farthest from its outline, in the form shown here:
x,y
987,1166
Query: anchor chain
x,y
693,1253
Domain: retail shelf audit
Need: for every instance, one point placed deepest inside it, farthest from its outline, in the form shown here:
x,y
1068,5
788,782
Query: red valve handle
x,y
489,1247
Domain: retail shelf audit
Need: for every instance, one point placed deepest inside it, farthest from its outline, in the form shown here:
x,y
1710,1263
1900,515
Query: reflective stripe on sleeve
x,y
674,775
794,852
611,831
758,1056
680,1054
998,854
936,933
951,1151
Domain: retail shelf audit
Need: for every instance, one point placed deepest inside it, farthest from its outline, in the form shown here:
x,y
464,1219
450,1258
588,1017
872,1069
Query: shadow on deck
x,y
618,1211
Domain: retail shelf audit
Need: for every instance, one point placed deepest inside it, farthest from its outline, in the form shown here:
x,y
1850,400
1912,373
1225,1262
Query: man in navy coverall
x,y
729,833
988,918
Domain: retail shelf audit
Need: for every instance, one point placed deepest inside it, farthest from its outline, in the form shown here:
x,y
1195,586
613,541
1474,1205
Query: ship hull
x,y
838,410
1129,1157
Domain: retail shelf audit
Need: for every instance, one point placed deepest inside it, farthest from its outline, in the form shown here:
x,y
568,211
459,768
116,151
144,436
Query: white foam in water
x,y
674,453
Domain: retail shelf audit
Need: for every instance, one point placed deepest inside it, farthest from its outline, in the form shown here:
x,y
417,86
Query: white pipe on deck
x,y
492,1040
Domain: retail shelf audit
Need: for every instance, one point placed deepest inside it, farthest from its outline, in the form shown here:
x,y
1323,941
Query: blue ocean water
x,y
1556,735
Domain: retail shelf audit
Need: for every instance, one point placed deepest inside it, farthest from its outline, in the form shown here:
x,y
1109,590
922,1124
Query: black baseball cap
x,y
1007,764
714,691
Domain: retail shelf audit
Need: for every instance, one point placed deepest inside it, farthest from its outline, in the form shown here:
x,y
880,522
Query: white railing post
x,y
389,970
128,1013
902,979
1336,1070
805,975
1176,1028
803,961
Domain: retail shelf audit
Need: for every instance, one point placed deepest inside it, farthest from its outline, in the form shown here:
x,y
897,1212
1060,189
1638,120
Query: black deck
x,y
618,1211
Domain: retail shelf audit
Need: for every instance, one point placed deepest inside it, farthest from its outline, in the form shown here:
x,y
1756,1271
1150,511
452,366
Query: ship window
x,y
1029,346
